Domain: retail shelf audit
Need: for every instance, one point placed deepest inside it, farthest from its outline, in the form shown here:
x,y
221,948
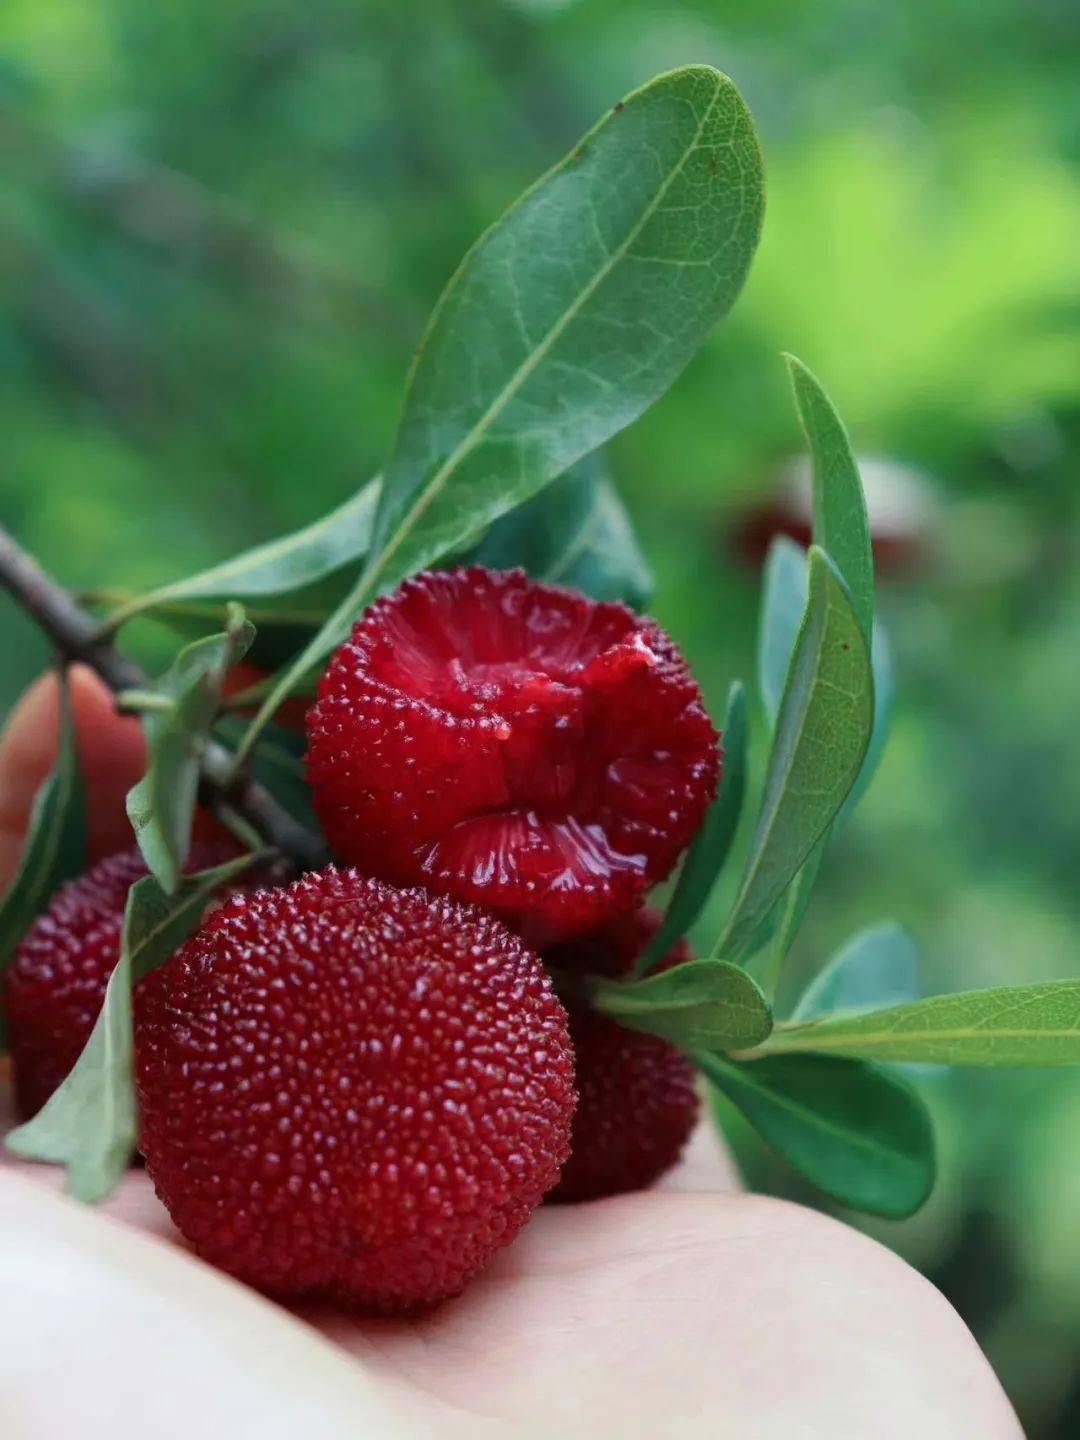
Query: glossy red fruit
x,y
52,992
512,744
352,1091
637,1100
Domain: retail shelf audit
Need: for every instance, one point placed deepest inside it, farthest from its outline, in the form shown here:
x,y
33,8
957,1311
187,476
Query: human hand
x,y
689,1310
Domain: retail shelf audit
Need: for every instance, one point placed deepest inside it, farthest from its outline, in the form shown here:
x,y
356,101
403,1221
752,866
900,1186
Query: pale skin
x,y
691,1310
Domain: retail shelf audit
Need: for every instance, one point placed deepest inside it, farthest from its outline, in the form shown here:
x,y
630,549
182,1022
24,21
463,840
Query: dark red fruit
x,y
610,952
54,988
352,1091
512,744
637,1102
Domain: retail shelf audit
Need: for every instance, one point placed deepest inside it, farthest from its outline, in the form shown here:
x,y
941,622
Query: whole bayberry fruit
x,y
512,744
54,988
352,1091
637,1100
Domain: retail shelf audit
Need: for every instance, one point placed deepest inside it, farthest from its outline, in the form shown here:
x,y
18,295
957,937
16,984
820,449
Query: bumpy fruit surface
x,y
53,990
637,1101
352,1091
511,744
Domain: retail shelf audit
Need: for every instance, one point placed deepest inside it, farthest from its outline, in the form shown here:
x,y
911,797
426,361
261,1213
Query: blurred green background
x,y
222,226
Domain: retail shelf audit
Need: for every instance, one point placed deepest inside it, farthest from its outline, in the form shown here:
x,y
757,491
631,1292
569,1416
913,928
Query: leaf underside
x,y
1014,1025
822,733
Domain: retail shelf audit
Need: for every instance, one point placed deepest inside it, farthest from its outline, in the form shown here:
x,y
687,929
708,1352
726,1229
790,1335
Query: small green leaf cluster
x,y
566,320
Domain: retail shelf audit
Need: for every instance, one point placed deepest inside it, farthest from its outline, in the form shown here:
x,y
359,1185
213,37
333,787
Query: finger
x,y
90,1300
112,755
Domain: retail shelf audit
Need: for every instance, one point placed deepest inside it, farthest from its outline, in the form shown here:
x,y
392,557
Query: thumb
x,y
112,755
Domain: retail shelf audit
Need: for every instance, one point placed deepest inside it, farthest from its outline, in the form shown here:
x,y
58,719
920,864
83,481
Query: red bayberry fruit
x,y
610,952
637,1102
352,1091
512,744
53,991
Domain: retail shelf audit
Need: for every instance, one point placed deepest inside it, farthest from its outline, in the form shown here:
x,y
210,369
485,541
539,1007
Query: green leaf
x,y
784,923
55,847
162,805
89,1123
884,696
783,602
821,738
854,1130
278,567
712,844
787,917
574,312
1015,1025
879,967
842,530
575,533
704,1004
841,526
568,318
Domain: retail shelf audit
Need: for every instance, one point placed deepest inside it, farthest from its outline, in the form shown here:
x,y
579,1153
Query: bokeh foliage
x,y
221,228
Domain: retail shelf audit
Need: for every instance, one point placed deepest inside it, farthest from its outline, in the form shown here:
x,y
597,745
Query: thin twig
x,y
75,634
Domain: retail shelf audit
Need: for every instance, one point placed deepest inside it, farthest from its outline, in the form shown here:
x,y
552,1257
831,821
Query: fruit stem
x,y
76,635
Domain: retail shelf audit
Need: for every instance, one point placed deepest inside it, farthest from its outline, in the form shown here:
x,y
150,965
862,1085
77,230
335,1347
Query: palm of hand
x,y
686,1311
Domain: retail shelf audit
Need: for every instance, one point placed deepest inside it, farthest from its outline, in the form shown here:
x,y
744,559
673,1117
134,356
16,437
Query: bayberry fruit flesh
x,y
637,1100
54,988
352,1092
514,745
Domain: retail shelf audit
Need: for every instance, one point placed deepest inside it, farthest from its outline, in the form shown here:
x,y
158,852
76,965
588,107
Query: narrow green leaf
x,y
783,925
787,917
576,532
878,967
55,846
783,603
712,844
884,696
821,738
854,1130
842,530
1015,1025
278,567
841,526
162,805
568,318
704,1004
89,1124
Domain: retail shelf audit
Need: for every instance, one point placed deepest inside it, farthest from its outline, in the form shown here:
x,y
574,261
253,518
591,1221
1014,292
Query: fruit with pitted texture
x,y
637,1101
352,1091
53,991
